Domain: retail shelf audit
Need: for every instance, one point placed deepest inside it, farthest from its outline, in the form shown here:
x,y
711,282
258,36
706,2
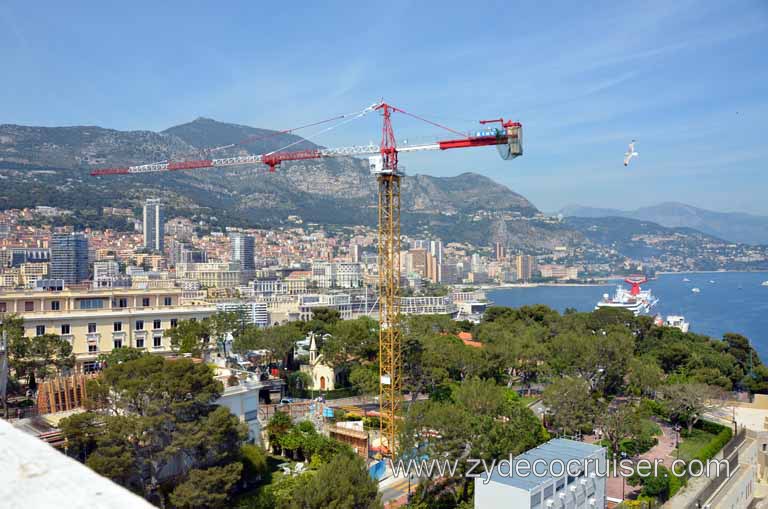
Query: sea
x,y
727,302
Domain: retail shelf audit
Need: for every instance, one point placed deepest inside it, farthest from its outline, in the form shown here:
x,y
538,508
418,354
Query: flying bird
x,y
630,153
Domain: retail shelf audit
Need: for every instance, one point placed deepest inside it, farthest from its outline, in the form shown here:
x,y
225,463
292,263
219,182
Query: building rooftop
x,y
36,475
557,449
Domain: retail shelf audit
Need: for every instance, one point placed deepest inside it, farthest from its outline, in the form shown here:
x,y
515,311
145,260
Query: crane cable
x,y
349,118
276,133
463,135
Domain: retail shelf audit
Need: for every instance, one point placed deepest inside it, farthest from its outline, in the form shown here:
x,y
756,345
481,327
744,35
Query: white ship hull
x,y
639,303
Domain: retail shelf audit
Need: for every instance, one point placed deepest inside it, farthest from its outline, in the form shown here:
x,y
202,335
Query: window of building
x,y
92,327
139,342
65,328
145,302
3,307
168,301
122,303
117,326
90,367
91,303
157,341
139,324
55,305
174,322
157,324
29,305
93,348
40,330
118,343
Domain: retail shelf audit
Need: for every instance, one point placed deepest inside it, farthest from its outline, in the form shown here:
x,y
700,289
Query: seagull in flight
x,y
630,153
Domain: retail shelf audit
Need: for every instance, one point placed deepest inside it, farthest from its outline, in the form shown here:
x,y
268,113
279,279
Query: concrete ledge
x,y
34,475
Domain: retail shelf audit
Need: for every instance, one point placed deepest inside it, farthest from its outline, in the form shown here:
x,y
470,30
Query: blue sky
x,y
688,80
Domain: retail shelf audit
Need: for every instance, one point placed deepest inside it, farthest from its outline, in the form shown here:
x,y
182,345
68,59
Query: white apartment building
x,y
544,490
337,275
97,321
427,306
255,313
211,274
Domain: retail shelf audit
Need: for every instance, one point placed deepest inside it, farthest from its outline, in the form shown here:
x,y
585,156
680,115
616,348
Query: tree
x,y
343,483
190,336
572,407
208,488
618,423
80,431
478,420
299,381
277,427
157,413
323,320
120,355
645,376
254,460
279,341
688,402
365,379
601,359
350,341
35,357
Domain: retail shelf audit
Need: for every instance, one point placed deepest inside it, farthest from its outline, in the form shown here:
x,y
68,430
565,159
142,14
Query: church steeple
x,y
312,348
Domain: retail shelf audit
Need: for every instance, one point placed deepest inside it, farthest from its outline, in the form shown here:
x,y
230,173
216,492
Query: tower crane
x,y
383,164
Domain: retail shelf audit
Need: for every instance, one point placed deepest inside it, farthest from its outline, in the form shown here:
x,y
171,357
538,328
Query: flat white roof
x,y
556,449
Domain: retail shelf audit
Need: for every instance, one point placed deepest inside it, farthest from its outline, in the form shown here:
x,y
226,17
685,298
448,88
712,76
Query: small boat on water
x,y
686,280
696,289
764,283
711,280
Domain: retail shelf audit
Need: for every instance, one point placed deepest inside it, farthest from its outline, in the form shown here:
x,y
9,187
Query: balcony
x,y
119,335
68,337
93,337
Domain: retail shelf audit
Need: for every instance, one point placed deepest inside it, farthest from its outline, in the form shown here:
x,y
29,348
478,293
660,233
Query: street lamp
x,y
623,479
677,440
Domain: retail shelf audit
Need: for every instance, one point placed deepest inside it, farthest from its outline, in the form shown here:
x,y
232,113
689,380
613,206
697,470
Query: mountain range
x,y
731,226
50,166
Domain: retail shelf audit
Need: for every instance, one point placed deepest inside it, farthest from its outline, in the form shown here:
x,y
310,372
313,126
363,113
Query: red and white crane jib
x,y
509,132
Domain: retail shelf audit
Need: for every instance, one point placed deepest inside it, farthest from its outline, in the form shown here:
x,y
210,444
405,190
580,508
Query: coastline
x,y
536,285
714,272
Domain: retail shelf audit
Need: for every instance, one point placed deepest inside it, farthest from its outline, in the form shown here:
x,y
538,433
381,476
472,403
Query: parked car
x,y
286,401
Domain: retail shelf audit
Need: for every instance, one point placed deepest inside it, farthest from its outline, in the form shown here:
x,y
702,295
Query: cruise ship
x,y
635,299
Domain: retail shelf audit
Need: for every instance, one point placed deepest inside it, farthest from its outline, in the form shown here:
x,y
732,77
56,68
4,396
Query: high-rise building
x,y
242,252
501,251
69,257
354,252
417,261
525,265
184,252
154,226
436,248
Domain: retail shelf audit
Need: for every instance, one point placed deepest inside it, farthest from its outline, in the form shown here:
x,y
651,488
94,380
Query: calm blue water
x,y
735,302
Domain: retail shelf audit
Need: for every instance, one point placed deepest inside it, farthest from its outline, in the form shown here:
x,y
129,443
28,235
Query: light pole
x,y
623,479
677,440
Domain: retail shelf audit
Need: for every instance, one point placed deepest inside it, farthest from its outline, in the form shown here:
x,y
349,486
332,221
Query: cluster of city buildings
x,y
104,289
